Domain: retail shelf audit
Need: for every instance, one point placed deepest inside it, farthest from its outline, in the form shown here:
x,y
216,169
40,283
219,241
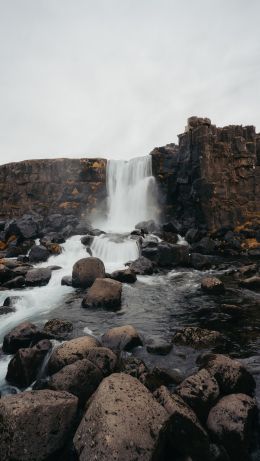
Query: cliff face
x,y
71,186
212,177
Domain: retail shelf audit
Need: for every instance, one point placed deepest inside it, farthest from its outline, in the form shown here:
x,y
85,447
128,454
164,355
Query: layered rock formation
x,y
212,177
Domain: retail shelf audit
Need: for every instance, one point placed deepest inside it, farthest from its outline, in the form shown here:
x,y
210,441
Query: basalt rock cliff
x,y
212,178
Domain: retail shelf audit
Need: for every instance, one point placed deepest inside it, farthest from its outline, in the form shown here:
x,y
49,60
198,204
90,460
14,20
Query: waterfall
x,y
131,191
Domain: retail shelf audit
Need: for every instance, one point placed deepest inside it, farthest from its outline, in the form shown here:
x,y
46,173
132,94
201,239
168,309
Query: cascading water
x,y
132,195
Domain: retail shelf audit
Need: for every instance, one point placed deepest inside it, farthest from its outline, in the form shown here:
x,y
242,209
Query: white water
x,y
115,250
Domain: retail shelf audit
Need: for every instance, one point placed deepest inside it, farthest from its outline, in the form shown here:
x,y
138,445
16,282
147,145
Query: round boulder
x,y
86,270
122,338
104,293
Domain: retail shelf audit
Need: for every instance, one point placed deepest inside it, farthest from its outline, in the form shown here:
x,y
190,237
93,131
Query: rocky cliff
x,y
212,178
70,186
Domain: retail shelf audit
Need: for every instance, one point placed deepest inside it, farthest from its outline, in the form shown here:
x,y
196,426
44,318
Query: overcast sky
x,y
115,78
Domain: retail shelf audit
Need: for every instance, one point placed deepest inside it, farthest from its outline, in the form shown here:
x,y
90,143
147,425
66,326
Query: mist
x,y
116,78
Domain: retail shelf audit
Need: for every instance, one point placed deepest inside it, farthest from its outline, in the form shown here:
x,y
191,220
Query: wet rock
x,y
124,276
218,453
54,248
230,374
133,366
197,337
35,424
170,255
206,246
147,226
38,277
212,285
52,237
172,226
6,310
122,422
22,270
232,309
200,262
8,390
230,423
26,227
80,379
183,430
248,270
55,268
159,346
87,240
17,282
252,283
5,274
200,391
104,293
150,241
86,271
121,338
58,327
55,221
24,366
21,336
169,237
67,280
193,235
38,253
71,351
142,266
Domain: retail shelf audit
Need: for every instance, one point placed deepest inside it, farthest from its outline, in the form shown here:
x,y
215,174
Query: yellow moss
x,y
251,244
55,248
66,205
98,164
2,245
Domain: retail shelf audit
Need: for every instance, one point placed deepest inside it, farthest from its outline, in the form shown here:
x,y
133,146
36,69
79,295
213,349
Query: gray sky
x,y
115,78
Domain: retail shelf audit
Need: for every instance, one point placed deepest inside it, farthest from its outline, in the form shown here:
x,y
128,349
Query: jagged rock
x,y
122,422
104,293
38,253
170,255
71,351
183,430
230,374
58,327
16,282
150,241
252,283
193,235
230,423
197,337
86,271
122,338
212,285
80,378
24,366
159,346
38,277
124,276
133,366
142,266
200,391
36,424
67,280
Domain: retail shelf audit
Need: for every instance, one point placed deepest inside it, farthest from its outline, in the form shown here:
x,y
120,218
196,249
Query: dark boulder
x,y
122,338
35,425
197,337
193,235
25,228
5,274
86,270
124,276
16,282
206,246
66,280
55,222
6,310
21,336
38,253
103,358
170,255
87,240
231,422
147,226
52,237
200,262
142,266
212,285
104,293
38,277
24,366
172,226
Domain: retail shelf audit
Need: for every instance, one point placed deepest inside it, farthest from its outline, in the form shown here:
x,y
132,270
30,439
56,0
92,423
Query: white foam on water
x,y
115,250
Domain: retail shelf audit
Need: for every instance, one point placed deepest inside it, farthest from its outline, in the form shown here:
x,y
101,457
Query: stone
x,y
170,255
206,246
26,227
157,377
197,337
38,253
230,423
38,277
212,285
200,262
66,280
58,327
200,391
122,422
183,430
52,237
5,274
146,226
86,271
87,240
104,293
230,374
103,358
124,276
193,235
6,310
71,351
159,346
80,378
24,366
19,337
142,266
251,283
16,282
36,424
122,338
172,226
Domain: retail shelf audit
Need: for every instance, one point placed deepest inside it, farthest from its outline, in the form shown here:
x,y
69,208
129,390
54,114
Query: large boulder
x,y
122,338
212,285
23,335
38,253
71,351
24,366
230,423
122,422
183,430
35,425
142,266
104,293
86,271
38,277
197,337
124,276
80,378
230,374
200,391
